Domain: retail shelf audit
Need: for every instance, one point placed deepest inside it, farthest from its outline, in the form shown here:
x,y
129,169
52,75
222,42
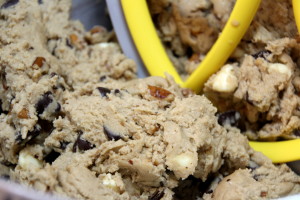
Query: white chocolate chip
x,y
106,44
108,181
225,80
183,161
280,68
27,161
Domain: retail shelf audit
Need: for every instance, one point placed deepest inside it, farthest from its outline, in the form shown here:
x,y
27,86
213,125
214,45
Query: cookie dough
x,y
263,90
76,122
259,82
189,28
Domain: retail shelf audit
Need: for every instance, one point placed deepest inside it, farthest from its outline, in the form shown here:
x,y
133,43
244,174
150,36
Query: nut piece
x,y
225,80
27,161
23,114
194,58
39,61
158,92
73,38
97,29
280,68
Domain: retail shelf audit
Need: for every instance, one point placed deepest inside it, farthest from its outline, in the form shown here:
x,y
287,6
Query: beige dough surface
x,y
76,122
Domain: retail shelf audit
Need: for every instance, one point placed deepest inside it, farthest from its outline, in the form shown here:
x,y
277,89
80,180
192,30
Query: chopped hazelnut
x,y
158,92
263,194
73,38
23,114
97,29
194,58
39,61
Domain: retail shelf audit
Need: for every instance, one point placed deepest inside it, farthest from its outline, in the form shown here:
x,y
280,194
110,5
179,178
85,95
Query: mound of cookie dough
x,y
189,28
257,89
261,95
76,122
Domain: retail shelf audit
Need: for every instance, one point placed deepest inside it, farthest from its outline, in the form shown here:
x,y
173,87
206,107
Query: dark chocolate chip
x,y
117,91
256,177
232,118
62,87
58,108
167,106
1,110
9,3
110,134
40,1
82,144
192,188
247,98
252,166
262,54
262,121
68,43
46,126
103,78
42,126
53,74
8,164
296,132
43,103
228,180
161,183
189,52
51,157
3,79
157,195
281,94
36,130
18,137
231,60
63,145
103,91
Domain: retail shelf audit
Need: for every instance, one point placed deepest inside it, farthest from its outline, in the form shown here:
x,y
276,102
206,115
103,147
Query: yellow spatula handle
x,y
153,53
296,8
235,28
146,40
279,152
